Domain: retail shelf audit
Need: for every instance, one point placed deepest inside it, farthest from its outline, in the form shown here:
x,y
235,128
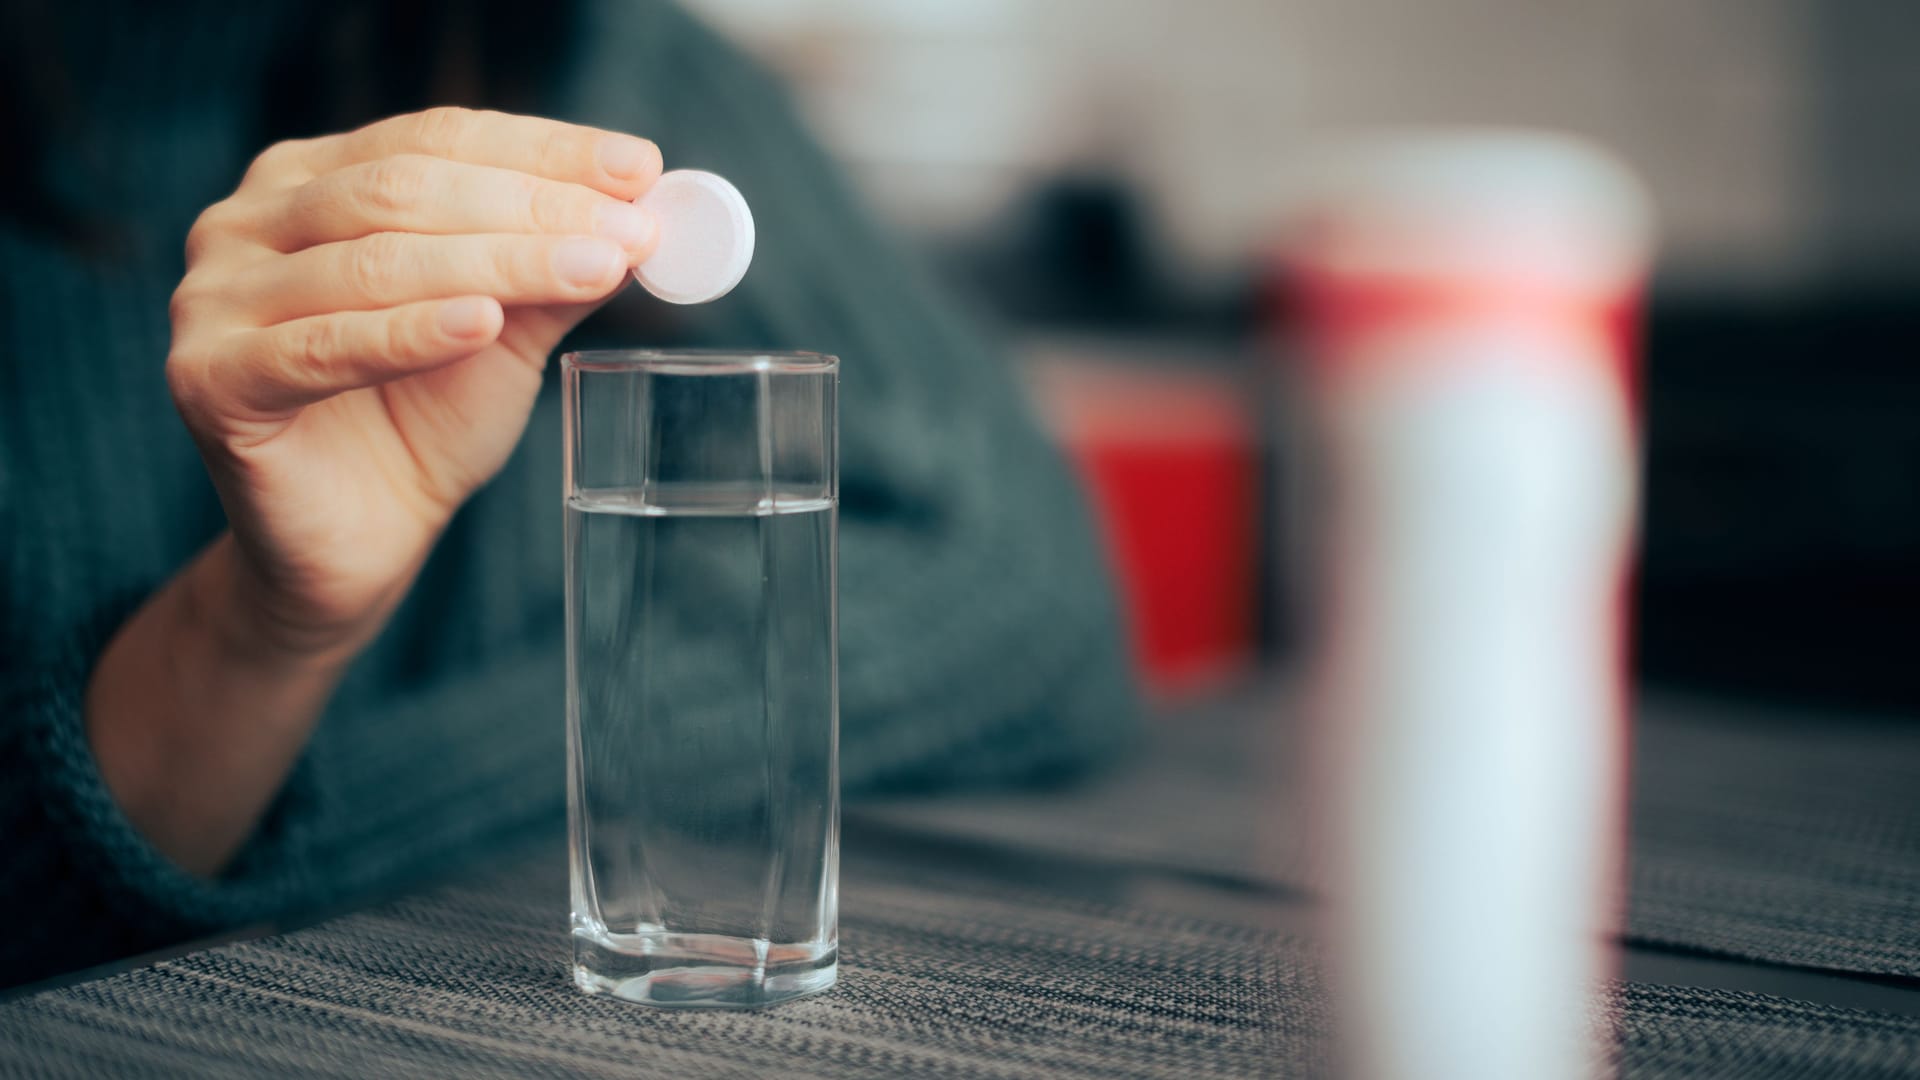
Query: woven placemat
x,y
1778,838
1783,838
947,972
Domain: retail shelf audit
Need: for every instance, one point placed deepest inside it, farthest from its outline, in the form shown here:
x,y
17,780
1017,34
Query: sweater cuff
x,y
98,845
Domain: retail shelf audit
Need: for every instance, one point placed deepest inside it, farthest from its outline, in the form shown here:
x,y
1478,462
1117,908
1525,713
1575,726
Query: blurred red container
x,y
1171,462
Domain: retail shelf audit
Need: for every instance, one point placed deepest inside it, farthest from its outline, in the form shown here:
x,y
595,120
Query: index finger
x,y
623,166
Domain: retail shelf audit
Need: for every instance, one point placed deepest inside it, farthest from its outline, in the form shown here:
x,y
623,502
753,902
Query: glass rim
x,y
700,361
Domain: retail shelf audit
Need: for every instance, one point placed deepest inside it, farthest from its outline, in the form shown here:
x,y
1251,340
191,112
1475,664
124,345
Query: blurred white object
x,y
1467,299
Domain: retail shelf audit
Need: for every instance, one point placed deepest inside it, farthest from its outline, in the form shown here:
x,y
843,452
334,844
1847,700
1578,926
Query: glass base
x,y
700,971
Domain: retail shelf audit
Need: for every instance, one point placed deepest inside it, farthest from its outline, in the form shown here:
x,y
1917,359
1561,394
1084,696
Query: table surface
x,y
1156,920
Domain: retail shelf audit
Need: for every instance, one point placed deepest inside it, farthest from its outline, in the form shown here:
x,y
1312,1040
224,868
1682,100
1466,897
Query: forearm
x,y
195,717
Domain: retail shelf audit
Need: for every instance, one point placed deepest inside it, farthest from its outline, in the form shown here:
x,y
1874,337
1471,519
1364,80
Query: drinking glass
x,y
702,493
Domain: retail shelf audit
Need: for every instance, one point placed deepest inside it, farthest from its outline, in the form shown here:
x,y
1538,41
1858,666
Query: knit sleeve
x,y
81,885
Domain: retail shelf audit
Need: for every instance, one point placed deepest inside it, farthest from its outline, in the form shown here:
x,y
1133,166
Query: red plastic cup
x,y
1171,464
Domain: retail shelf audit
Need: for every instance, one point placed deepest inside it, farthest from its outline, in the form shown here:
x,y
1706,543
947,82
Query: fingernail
x,y
469,316
585,262
625,157
624,223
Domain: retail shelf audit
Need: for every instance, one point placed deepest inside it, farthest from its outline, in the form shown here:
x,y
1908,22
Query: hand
x,y
359,338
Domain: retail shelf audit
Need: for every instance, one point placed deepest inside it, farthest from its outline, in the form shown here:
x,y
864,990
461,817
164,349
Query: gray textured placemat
x,y
1778,838
1786,838
949,971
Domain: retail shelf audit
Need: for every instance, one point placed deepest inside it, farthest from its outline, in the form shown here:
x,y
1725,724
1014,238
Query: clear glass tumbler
x,y
702,494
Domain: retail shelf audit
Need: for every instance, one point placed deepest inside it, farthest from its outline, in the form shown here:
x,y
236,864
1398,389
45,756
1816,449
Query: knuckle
x,y
314,348
184,303
186,372
374,262
560,144
550,208
395,184
201,237
399,337
183,362
275,160
313,203
441,130
192,301
213,225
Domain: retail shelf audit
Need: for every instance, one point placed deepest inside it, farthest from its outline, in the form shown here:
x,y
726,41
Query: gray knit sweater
x,y
979,639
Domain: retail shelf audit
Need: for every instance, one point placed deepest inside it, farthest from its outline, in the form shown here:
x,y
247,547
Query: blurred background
x,y
1104,179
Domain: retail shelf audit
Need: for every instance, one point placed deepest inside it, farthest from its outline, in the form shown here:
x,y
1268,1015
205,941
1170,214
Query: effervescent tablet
x,y
706,237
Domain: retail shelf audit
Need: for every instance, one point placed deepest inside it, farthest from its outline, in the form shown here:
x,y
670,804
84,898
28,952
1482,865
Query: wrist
x,y
225,604
195,713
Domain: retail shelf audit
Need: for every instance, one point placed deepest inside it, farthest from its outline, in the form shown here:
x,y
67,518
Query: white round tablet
x,y
706,237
